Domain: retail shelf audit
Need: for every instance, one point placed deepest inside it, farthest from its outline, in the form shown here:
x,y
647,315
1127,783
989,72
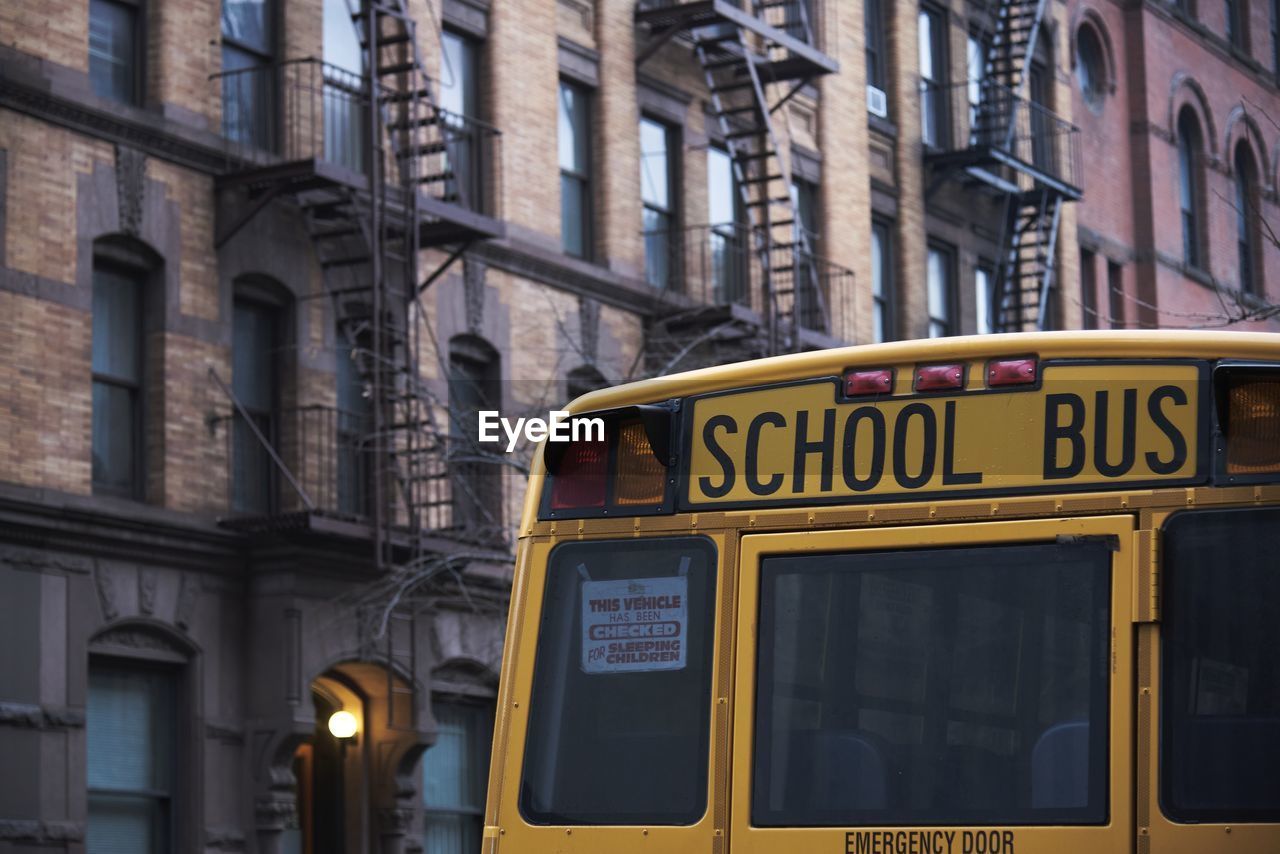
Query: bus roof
x,y
1108,344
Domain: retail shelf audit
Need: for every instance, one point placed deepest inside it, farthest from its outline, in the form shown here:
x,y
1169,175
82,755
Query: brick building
x,y
262,261
1180,101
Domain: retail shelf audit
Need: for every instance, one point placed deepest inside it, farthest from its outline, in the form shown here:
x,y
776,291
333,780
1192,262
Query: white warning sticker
x,y
634,625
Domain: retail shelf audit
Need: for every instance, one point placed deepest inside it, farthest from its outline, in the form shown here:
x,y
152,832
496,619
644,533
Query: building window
x,y
248,48
1088,290
1115,295
976,49
728,241
345,127
882,298
983,281
116,50
1190,196
810,300
255,383
454,774
874,23
941,284
130,720
932,32
575,170
354,423
1091,67
117,381
658,148
1247,216
474,386
460,98
1237,24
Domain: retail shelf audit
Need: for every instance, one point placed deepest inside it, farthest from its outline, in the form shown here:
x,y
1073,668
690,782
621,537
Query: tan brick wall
x,y
56,30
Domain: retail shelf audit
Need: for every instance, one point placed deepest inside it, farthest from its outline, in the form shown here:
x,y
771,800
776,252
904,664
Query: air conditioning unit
x,y
877,102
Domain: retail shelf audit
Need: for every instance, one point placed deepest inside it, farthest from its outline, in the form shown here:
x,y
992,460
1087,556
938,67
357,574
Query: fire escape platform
x,y
985,162
440,222
320,524
804,60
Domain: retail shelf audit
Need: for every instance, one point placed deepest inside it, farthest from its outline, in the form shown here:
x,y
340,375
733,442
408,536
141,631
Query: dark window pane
x,y
476,483
253,474
573,131
117,316
459,83
619,729
454,772
113,50
1220,685
655,165
947,686
115,438
354,423
253,356
573,215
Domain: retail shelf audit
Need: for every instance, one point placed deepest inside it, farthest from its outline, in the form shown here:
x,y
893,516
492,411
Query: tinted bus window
x,y
1220,679
620,713
934,686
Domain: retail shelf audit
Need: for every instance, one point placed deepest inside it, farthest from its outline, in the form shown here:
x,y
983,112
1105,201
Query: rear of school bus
x,y
1000,595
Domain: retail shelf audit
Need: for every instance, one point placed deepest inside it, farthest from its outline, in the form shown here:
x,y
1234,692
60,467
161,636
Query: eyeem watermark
x,y
556,428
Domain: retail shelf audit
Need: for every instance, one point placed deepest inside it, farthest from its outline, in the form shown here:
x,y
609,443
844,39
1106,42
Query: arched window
x,y
122,272
474,386
1190,194
1247,213
1091,66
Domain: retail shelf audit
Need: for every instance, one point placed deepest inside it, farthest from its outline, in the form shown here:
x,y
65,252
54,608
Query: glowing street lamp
x,y
342,724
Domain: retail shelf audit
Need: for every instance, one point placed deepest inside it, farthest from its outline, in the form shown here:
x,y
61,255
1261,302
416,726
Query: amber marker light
x,y
1253,426
642,478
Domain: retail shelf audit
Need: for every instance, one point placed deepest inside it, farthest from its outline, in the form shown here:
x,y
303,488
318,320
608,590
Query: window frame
x,y
584,97
1249,255
171,656
1203,821
139,277
885,299
485,505
138,61
947,253
673,242
937,85
263,59
1115,295
479,755
1088,289
984,299
1118,831
1235,24
874,46
1190,155
259,301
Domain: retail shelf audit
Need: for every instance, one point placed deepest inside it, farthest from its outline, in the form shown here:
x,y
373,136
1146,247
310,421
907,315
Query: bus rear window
x,y
1220,678
933,687
619,718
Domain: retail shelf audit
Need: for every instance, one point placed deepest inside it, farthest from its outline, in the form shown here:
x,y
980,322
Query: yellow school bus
x,y
1012,594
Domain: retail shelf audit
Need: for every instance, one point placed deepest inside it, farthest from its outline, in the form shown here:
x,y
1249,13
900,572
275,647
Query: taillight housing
x,y
1249,420
868,381
1007,372
939,377
627,472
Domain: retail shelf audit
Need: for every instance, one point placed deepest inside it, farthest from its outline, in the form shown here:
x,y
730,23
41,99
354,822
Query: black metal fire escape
x,y
380,173
1026,154
747,56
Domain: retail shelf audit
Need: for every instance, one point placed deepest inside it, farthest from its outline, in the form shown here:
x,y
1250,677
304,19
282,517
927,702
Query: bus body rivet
x,y
644,832
568,831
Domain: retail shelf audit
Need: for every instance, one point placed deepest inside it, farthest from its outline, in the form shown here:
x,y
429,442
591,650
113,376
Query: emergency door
x,y
941,689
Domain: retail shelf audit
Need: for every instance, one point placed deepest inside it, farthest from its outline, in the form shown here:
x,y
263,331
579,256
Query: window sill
x,y
882,126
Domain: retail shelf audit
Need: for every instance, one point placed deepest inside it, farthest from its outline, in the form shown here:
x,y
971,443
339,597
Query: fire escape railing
x,y
718,265
307,109
987,123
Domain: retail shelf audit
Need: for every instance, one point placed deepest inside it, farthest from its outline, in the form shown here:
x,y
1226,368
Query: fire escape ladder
x,y
739,100
1027,268
1024,281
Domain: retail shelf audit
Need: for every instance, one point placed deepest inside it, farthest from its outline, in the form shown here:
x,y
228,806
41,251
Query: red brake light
x,y
581,477
1011,372
939,377
878,381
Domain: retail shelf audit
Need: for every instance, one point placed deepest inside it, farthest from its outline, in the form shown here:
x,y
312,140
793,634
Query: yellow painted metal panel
x,y
1087,425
